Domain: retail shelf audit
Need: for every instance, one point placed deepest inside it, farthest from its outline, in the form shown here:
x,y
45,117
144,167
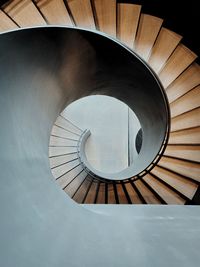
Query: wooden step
x,y
111,194
187,102
62,132
149,27
62,159
186,120
60,142
24,13
91,193
81,192
189,136
121,195
54,12
66,179
189,79
183,152
105,14
61,170
127,22
133,194
165,44
81,11
65,123
6,23
57,151
168,195
149,197
186,187
101,194
74,185
187,169
180,59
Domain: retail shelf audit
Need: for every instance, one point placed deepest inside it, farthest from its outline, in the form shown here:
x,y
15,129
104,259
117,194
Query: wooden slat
x,y
6,23
54,11
149,197
111,194
64,122
188,169
184,186
121,194
164,46
183,152
55,141
105,12
148,30
127,22
67,178
181,58
57,172
60,160
82,190
190,136
24,13
91,194
168,195
133,194
72,187
53,151
189,79
187,120
57,131
82,13
101,194
186,103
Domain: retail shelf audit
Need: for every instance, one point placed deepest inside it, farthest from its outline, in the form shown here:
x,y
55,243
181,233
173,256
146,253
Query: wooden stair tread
x,y
183,152
186,187
72,187
111,194
82,13
186,103
187,120
62,159
54,12
105,12
133,194
101,194
189,79
188,169
189,136
54,151
91,194
66,179
6,23
24,13
149,197
148,30
165,44
82,190
180,59
168,195
127,22
57,172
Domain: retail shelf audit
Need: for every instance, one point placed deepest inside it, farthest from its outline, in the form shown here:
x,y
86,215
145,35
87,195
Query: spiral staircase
x,y
175,178
174,175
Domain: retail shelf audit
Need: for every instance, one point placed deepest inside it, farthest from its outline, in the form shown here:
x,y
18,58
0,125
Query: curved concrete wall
x,y
51,67
40,225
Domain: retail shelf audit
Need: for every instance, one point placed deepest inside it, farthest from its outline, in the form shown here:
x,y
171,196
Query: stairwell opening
x,y
114,127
